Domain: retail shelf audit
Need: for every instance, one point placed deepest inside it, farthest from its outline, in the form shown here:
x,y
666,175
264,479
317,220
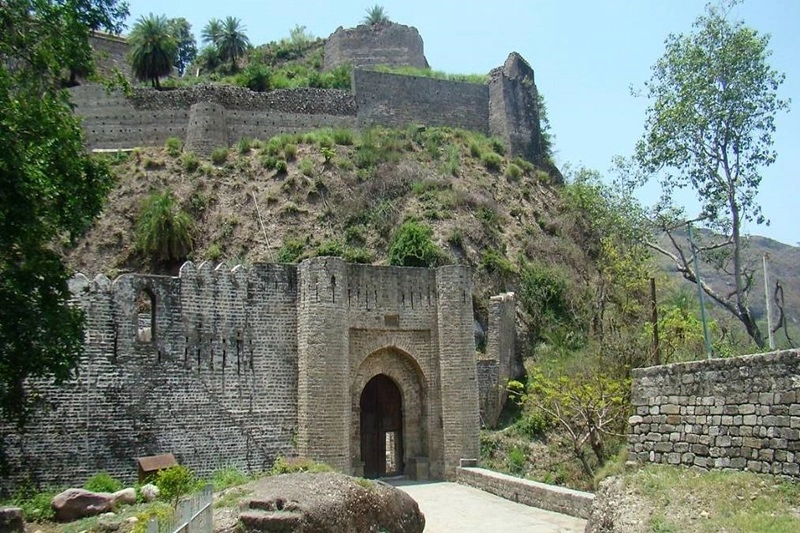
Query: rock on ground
x,y
11,520
617,510
73,504
328,503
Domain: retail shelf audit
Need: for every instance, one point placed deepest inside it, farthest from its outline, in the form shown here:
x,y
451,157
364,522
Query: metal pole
x,y
700,295
769,305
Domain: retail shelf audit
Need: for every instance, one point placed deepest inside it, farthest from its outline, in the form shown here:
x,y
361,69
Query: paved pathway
x,y
452,507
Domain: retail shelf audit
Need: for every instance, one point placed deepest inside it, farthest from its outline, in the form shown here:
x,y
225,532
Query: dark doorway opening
x,y
381,428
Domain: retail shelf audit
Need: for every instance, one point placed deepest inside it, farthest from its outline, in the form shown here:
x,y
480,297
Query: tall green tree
x,y
232,42
181,31
211,32
50,189
709,128
154,49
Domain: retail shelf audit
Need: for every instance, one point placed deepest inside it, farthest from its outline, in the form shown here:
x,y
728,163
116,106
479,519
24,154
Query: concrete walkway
x,y
452,507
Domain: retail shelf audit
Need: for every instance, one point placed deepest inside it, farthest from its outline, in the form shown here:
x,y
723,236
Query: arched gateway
x,y
381,428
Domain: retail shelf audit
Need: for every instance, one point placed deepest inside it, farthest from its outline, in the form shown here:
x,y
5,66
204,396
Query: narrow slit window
x,y
146,316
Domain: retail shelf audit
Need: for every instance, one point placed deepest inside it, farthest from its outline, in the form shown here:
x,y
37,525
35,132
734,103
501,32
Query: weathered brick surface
x,y
391,44
738,413
558,499
244,364
494,370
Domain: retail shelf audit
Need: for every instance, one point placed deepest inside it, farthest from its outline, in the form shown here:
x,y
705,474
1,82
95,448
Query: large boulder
x,y
328,503
73,504
124,497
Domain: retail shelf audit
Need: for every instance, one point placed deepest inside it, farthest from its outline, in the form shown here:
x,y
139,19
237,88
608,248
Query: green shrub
x,y
244,145
164,230
344,163
175,483
513,172
332,248
327,154
494,262
456,238
542,176
343,137
532,425
291,251
290,151
273,147
269,162
228,476
102,482
173,146
190,162
255,77
492,161
524,164
219,156
159,511
516,460
498,146
357,255
306,167
214,252
412,245
487,215
475,150
36,506
281,167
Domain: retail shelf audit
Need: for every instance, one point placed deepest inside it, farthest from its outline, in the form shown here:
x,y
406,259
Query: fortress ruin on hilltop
x,y
211,116
370,369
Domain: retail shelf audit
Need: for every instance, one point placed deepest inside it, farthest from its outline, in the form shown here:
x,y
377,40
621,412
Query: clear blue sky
x,y
586,55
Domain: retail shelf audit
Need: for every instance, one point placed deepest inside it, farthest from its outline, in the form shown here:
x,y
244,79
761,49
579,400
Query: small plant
x,y
190,162
412,246
281,167
513,172
492,161
244,145
532,425
36,506
282,465
524,164
219,156
164,230
153,164
290,151
516,460
327,154
343,137
357,255
332,248
159,511
456,238
498,146
542,176
306,167
228,476
475,150
102,482
175,483
214,252
173,146
292,251
270,162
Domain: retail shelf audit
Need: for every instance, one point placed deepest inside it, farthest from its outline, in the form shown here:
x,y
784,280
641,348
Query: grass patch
x,y
228,476
734,501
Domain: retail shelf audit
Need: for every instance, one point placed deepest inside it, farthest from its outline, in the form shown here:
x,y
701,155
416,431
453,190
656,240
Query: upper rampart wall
x,y
110,52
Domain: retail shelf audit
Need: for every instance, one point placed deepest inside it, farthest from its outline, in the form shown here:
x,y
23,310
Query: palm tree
x,y
233,42
211,32
376,15
164,230
153,48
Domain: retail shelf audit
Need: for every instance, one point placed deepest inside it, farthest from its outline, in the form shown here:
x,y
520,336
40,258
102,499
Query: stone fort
x,y
372,370
211,116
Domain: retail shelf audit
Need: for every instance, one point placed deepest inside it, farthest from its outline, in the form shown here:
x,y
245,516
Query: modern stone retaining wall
x,y
558,499
740,413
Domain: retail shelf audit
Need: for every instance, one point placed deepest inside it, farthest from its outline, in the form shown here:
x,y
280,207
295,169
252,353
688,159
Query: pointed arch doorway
x,y
381,428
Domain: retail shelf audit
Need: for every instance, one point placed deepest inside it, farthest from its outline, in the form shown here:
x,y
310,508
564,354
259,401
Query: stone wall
x,y
738,413
550,497
496,368
396,100
236,366
389,44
